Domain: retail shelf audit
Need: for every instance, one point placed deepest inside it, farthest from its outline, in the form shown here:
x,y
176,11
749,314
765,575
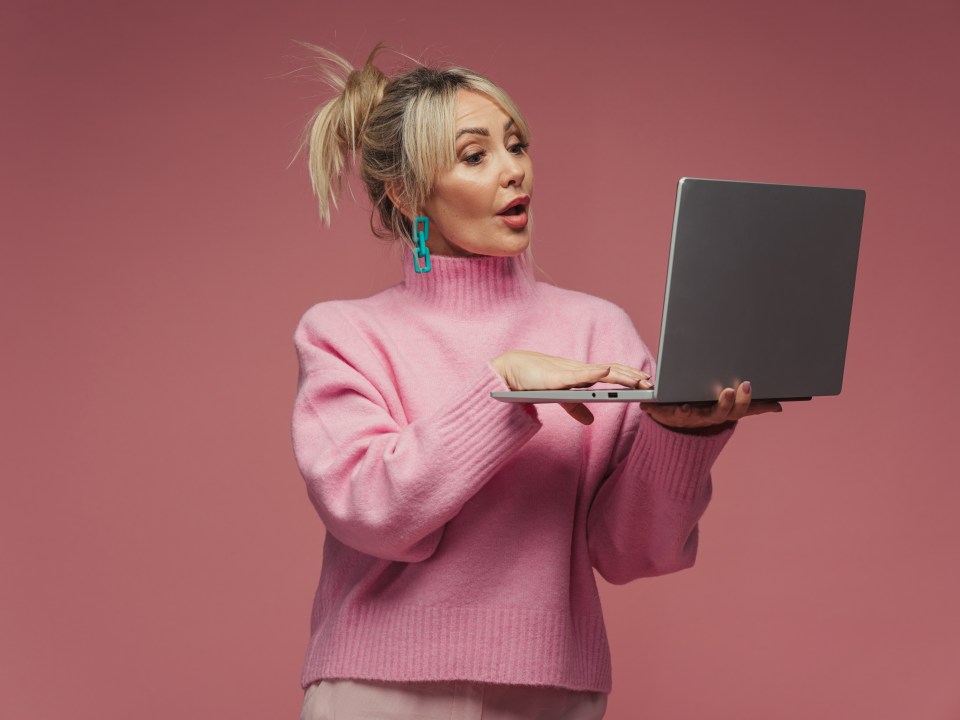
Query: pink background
x,y
158,550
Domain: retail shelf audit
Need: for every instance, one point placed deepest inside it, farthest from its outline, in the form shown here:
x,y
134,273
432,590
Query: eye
x,y
518,148
474,158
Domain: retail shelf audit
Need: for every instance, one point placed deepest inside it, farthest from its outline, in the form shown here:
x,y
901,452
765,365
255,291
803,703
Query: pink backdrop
x,y
158,550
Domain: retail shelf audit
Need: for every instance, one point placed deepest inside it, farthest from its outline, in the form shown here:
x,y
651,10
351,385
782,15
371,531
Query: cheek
x,y
468,203
463,199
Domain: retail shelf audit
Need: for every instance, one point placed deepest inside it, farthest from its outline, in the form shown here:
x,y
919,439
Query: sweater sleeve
x,y
382,485
643,518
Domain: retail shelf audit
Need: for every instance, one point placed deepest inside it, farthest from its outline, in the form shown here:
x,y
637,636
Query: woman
x,y
462,532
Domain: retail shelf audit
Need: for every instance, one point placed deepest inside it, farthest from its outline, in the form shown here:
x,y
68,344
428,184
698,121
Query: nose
x,y
512,171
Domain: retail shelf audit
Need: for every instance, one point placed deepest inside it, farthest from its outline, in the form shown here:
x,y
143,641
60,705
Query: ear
x,y
395,193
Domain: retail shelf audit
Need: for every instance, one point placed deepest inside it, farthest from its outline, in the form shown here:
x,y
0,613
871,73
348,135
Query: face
x,y
480,206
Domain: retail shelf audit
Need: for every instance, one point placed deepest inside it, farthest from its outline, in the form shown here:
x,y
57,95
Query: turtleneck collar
x,y
468,283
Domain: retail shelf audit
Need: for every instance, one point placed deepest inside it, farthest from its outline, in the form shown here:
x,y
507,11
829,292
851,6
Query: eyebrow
x,y
482,131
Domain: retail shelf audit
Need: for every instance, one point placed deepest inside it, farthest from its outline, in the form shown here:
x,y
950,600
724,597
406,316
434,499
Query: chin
x,y
511,250
501,245
512,246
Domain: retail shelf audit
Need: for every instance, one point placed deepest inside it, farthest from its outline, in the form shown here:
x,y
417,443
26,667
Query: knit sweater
x,y
462,532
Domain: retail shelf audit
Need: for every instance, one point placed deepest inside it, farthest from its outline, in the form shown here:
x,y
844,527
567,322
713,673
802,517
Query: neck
x,y
477,283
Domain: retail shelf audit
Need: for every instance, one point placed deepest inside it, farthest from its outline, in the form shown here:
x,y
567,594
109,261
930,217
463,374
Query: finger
x,y
744,394
628,376
631,371
678,415
580,376
579,412
725,406
586,375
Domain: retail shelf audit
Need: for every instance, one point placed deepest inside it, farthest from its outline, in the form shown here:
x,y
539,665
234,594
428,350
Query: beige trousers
x,y
354,700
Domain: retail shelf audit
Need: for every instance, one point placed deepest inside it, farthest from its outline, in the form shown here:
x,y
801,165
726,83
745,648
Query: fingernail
x,y
646,384
747,387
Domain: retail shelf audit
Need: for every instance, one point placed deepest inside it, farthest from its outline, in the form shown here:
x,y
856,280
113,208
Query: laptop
x,y
759,287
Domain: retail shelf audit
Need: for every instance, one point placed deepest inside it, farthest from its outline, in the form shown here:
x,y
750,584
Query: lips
x,y
514,215
516,206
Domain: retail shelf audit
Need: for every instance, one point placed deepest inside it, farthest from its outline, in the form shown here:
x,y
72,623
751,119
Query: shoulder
x,y
587,307
335,316
343,330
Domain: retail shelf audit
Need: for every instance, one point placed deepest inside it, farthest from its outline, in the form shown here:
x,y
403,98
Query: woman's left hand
x,y
730,406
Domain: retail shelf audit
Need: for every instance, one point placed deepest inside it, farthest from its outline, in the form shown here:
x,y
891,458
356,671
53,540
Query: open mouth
x,y
517,206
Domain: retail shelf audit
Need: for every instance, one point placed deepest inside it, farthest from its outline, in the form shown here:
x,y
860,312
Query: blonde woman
x,y
462,533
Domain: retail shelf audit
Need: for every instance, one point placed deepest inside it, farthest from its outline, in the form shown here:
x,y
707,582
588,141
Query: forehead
x,y
475,109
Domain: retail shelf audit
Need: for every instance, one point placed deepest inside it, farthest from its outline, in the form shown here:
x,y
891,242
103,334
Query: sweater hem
x,y
502,645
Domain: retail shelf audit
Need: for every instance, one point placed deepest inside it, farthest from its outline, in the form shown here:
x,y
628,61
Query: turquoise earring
x,y
419,233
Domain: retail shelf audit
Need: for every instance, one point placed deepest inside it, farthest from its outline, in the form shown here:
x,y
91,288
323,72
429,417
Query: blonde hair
x,y
403,129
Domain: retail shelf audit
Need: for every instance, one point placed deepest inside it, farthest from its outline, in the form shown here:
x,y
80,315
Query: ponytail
x,y
335,131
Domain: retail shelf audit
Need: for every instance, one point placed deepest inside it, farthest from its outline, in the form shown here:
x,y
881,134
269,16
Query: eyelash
x,y
474,158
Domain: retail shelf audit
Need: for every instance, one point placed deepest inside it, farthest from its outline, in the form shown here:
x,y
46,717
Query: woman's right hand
x,y
527,370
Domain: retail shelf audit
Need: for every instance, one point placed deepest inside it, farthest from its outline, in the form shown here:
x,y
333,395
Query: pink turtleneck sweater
x,y
462,532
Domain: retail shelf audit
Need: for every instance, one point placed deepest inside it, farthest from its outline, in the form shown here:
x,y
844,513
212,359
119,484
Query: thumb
x,y
579,412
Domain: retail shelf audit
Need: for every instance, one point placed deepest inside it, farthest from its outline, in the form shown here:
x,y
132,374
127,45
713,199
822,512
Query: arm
x,y
643,519
382,485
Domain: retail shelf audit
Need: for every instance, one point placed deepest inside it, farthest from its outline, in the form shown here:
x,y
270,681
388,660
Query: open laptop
x,y
759,287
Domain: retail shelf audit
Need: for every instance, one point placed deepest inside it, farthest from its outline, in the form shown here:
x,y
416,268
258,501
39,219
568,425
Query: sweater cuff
x,y
679,462
481,432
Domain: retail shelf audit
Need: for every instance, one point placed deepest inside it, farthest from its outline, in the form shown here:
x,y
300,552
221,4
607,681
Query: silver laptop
x,y
759,287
